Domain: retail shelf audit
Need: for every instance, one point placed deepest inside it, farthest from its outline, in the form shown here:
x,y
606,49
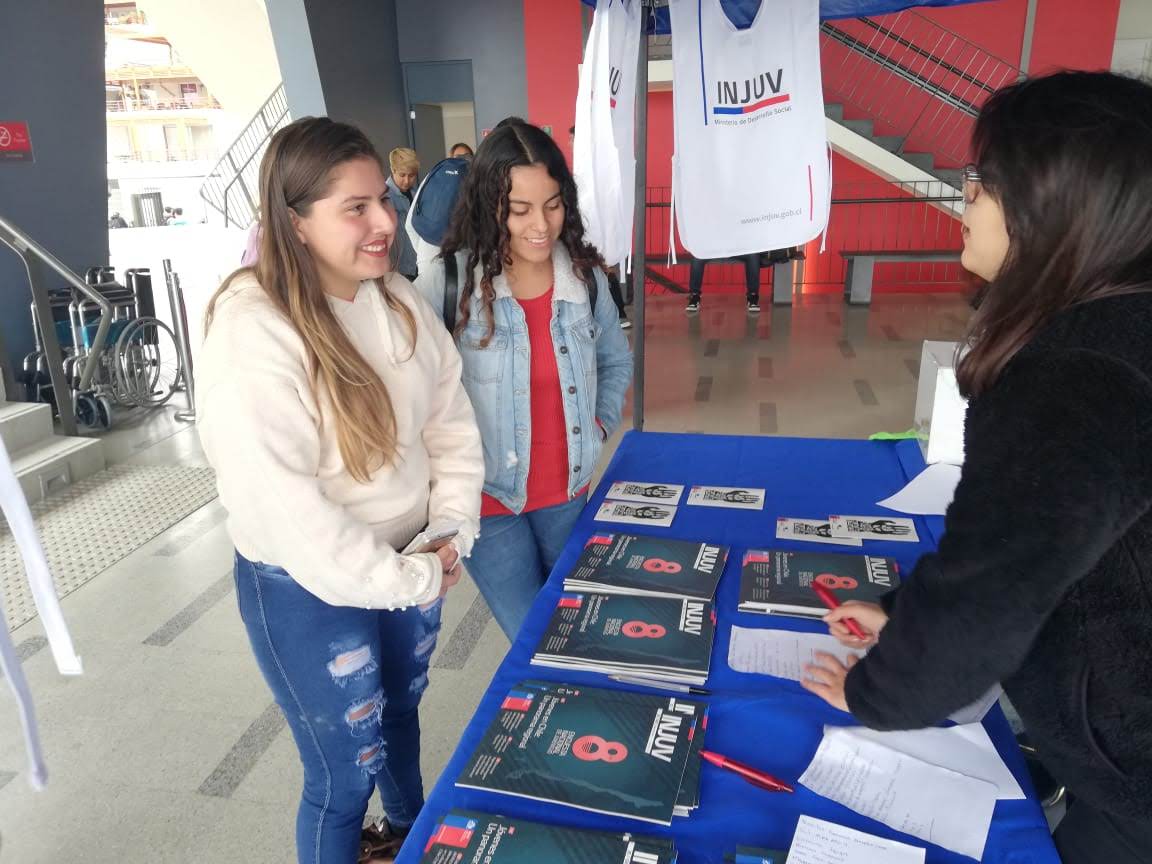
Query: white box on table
x,y
940,408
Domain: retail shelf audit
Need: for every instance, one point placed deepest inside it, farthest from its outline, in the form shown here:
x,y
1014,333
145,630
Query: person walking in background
x,y
405,167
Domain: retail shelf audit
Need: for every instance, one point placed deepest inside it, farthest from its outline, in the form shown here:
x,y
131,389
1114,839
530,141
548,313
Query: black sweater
x,y
1043,578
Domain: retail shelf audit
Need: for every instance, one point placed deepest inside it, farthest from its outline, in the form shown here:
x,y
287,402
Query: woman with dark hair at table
x,y
1043,577
545,362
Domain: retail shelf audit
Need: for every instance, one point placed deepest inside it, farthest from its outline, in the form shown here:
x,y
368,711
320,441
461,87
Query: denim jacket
x,y
592,357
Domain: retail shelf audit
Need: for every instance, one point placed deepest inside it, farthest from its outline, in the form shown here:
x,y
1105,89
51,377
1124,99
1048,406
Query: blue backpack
x,y
436,199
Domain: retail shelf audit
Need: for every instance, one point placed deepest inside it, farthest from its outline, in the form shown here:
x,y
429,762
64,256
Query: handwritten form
x,y
903,792
820,842
964,749
781,653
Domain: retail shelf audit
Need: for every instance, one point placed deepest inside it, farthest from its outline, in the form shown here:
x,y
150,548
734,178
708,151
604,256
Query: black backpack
x,y
452,291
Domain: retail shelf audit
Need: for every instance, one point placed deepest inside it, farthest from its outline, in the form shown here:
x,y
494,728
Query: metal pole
x,y
183,347
639,238
61,386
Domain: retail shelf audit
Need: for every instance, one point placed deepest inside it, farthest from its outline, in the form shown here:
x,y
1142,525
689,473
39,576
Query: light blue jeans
x,y
349,682
514,555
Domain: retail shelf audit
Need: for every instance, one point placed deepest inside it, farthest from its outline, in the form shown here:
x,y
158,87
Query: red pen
x,y
831,602
756,778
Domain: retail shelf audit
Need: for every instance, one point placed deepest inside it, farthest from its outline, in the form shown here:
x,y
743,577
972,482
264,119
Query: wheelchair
x,y
138,364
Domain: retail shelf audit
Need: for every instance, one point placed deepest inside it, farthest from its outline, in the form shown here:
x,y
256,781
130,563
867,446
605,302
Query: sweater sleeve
x,y
1057,468
452,440
263,441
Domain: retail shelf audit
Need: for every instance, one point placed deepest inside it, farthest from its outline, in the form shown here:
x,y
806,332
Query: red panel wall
x,y
553,37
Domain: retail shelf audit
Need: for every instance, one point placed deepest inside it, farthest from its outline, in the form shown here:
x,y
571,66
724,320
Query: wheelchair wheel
x,y
87,410
147,364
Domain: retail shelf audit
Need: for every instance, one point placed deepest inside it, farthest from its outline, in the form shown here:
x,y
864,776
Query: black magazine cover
x,y
608,751
468,837
780,583
626,634
614,563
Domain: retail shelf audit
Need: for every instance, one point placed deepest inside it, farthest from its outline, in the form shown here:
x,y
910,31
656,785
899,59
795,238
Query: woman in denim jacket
x,y
546,372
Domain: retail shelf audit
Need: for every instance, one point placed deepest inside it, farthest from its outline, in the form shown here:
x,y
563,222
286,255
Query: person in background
x,y
331,407
545,367
251,245
461,150
402,185
1043,576
751,283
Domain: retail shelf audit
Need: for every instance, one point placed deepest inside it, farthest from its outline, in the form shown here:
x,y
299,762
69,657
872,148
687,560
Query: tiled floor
x,y
169,748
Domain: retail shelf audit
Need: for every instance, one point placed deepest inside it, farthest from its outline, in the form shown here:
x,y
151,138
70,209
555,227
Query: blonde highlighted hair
x,y
296,172
403,157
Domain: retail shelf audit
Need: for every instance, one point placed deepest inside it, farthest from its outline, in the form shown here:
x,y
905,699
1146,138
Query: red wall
x,y
553,36
1073,34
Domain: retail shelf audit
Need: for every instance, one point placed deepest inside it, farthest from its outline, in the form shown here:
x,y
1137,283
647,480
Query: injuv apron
x,y
604,162
751,170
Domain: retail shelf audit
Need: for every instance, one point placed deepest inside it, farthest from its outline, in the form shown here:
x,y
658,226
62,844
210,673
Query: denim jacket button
x,y
575,430
576,470
572,390
563,349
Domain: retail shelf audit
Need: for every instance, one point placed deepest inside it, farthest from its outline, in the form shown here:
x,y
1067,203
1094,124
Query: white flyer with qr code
x,y
811,531
726,496
890,528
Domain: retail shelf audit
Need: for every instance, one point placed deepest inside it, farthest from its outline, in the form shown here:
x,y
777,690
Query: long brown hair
x,y
296,172
1069,159
479,223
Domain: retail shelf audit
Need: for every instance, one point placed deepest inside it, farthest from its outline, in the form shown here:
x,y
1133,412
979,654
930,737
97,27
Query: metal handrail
x,y
886,31
241,153
22,245
908,74
947,79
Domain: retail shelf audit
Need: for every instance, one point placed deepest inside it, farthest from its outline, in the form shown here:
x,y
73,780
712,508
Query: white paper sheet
x,y
929,493
781,653
820,842
976,711
966,750
905,793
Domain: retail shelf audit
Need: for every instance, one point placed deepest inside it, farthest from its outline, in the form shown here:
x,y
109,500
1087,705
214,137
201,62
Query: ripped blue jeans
x,y
349,682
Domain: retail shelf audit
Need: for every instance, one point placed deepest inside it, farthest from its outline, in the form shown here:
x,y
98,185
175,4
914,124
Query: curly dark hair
x,y
479,223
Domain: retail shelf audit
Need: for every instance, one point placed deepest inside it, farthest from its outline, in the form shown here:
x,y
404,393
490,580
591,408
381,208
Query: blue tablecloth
x,y
771,723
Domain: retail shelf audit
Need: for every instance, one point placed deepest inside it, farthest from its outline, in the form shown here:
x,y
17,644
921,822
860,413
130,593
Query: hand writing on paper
x,y
826,678
450,561
869,616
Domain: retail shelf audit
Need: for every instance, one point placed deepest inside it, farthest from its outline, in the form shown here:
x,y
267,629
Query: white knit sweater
x,y
271,438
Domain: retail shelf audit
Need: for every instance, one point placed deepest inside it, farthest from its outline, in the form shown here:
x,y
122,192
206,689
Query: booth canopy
x,y
741,12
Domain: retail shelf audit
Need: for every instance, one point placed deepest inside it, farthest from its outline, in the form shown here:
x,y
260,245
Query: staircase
x,y
910,86
44,461
232,188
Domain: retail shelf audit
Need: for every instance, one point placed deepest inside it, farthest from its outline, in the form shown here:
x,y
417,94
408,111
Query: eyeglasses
x,y
971,183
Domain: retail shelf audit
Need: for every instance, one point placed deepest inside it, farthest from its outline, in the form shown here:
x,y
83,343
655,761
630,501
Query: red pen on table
x,y
756,778
829,600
